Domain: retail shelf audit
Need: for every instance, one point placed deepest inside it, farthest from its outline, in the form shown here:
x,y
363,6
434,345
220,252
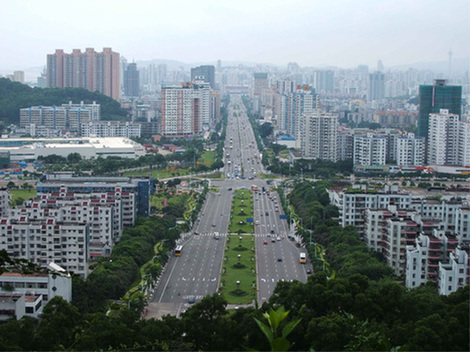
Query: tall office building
x,y
260,83
204,73
376,89
95,71
317,134
131,81
433,98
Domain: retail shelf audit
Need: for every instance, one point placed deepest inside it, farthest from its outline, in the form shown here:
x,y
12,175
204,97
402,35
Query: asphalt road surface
x,y
196,272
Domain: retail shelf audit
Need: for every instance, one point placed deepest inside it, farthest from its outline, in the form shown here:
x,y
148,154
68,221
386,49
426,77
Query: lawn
x,y
242,208
235,269
161,173
157,201
22,193
269,176
208,157
214,176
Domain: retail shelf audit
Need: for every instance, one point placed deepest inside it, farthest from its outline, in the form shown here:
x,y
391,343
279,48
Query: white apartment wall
x,y
453,275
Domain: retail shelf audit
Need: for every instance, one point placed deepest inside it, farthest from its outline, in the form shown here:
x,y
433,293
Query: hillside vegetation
x,y
14,96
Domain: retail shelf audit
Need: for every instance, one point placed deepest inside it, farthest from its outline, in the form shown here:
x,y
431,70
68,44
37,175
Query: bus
x,y
302,258
178,251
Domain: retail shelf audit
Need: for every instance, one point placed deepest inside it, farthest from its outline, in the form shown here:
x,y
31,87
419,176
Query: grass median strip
x,y
238,281
242,209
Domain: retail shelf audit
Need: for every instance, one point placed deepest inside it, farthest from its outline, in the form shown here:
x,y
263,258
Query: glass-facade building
x,y
434,97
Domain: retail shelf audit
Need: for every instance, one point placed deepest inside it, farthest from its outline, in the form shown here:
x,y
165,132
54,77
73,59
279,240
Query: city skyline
x,y
362,32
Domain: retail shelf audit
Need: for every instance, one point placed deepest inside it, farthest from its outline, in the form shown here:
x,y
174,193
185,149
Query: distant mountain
x,y
175,64
171,64
459,65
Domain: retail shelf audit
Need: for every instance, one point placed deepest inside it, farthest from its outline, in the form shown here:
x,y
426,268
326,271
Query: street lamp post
x,y
239,257
238,285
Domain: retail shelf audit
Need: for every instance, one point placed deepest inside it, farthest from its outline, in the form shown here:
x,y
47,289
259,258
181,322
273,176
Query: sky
x,y
309,32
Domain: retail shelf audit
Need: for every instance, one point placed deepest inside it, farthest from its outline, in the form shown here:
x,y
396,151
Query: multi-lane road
x,y
197,272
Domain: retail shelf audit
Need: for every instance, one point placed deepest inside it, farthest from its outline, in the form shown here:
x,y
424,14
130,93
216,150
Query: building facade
x,y
370,150
205,73
95,71
185,110
317,135
433,98
131,81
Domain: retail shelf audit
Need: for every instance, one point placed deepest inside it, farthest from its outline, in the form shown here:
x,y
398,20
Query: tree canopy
x,y
15,96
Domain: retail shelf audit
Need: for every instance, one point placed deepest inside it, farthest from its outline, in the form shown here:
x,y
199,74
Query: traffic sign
x,y
249,220
283,216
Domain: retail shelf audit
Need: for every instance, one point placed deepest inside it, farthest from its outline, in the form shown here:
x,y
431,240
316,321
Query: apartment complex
x,y
95,71
67,117
71,223
317,135
421,239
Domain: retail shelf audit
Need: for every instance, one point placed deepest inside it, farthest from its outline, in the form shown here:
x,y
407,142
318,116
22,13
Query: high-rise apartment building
x,y
433,98
185,109
289,105
317,135
410,150
376,89
131,81
443,138
370,150
95,71
205,73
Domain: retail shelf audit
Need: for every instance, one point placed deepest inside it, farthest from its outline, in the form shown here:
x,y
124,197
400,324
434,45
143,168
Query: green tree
x,y
272,330
74,158
58,326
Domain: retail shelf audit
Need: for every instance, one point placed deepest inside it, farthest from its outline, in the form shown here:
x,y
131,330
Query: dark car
x,y
279,259
191,299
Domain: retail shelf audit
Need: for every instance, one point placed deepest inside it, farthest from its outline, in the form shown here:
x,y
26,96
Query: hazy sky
x,y
334,32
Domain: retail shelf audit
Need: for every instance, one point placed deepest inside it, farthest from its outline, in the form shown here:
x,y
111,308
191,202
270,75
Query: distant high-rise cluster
x,y
376,89
95,71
